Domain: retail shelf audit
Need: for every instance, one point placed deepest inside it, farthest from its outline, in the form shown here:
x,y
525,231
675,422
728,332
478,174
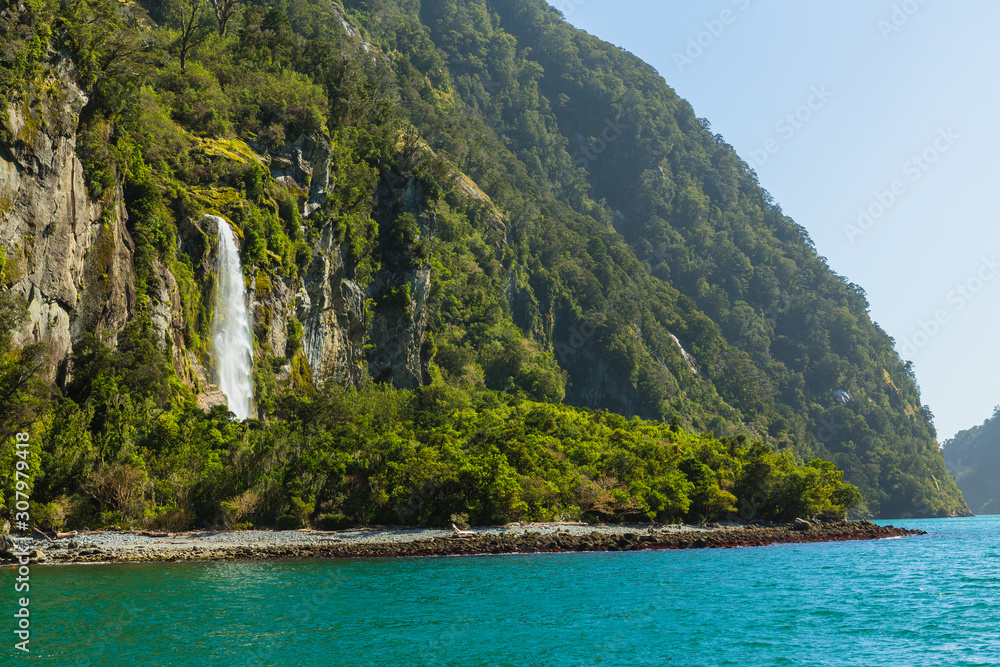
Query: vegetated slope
x,y
481,274
627,178
973,457
360,246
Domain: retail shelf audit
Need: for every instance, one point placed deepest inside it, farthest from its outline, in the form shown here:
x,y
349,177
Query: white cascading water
x,y
231,327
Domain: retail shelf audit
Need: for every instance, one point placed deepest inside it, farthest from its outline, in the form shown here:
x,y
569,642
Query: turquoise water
x,y
932,600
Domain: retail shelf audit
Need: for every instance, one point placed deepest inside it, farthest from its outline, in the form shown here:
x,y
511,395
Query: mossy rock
x,y
262,285
276,258
301,370
6,203
230,149
216,201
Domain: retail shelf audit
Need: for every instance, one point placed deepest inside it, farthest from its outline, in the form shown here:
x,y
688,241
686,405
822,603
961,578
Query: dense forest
x,y
497,268
973,458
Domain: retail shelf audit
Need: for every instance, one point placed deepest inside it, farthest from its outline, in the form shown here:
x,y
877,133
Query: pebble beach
x,y
127,546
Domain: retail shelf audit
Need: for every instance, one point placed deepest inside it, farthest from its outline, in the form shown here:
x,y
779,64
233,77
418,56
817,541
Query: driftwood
x,y
35,528
72,533
550,524
462,533
313,531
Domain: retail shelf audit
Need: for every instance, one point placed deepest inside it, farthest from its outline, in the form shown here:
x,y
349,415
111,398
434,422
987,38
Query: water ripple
x,y
924,601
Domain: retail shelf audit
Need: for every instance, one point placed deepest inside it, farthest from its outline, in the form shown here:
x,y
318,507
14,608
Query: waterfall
x,y
231,335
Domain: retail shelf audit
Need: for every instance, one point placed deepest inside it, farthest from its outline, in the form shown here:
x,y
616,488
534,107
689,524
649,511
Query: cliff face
x,y
71,258
329,304
331,310
68,256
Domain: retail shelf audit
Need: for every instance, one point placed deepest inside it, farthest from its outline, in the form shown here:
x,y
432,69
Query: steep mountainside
x,y
777,341
973,457
466,196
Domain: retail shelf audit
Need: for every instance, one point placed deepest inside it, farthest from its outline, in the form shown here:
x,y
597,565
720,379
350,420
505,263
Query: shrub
x,y
195,99
173,519
49,516
118,488
333,521
239,507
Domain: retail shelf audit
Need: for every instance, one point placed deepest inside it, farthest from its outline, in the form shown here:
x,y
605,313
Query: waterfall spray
x,y
231,335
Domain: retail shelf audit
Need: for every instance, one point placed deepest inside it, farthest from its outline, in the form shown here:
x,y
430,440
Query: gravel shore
x,y
116,546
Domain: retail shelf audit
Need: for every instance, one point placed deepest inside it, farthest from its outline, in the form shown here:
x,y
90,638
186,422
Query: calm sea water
x,y
932,600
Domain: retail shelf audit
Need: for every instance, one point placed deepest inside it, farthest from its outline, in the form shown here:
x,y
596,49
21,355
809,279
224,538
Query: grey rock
x,y
332,316
69,256
210,399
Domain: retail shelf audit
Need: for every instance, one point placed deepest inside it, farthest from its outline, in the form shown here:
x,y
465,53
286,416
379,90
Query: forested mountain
x,y
973,458
470,201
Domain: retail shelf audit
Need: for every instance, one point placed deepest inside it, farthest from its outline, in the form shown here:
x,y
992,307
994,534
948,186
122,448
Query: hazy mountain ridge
x,y
973,458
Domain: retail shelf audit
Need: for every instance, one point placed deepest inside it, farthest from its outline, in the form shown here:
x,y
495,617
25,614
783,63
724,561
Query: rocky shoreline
x,y
110,547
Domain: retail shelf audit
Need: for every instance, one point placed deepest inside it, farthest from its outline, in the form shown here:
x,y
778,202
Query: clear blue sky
x,y
885,87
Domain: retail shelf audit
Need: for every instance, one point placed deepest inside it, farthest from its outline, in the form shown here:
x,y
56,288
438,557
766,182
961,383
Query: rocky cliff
x,y
68,256
71,258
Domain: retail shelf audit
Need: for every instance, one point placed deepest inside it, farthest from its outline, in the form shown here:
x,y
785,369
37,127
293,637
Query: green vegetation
x,y
118,450
973,457
616,229
632,222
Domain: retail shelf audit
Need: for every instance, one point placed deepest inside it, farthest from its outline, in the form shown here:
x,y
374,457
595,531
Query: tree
x,y
190,19
224,11
107,48
19,371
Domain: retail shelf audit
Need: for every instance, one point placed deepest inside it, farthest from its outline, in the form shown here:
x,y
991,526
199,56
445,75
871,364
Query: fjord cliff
x,y
470,202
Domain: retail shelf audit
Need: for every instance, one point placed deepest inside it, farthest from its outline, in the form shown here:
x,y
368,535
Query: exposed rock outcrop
x,y
68,256
71,258
397,335
167,320
331,308
304,165
211,399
